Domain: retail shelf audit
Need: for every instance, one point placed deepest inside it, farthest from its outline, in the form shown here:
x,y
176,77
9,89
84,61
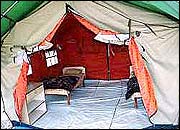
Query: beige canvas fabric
x,y
9,76
27,32
163,64
162,51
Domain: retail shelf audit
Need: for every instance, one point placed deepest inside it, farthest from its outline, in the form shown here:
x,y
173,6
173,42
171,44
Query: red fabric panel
x,y
40,70
119,61
80,49
20,90
144,78
38,66
96,66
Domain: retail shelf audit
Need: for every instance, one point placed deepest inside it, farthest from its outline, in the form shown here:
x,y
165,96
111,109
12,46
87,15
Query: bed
x,y
72,78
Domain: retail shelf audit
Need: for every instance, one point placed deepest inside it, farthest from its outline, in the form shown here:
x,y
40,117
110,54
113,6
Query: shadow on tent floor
x,y
98,105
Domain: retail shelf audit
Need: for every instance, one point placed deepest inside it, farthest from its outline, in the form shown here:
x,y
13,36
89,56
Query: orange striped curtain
x,y
20,90
144,79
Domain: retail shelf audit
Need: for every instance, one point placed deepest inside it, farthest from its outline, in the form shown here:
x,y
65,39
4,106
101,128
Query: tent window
x,y
51,58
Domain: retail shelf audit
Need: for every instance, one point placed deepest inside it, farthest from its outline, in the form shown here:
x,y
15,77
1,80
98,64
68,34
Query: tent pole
x,y
67,8
108,62
129,25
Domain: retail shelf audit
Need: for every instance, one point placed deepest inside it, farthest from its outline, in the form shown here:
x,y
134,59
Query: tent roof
x,y
9,9
14,11
169,8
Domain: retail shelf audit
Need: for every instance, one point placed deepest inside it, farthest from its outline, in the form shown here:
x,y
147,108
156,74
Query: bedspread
x,y
61,82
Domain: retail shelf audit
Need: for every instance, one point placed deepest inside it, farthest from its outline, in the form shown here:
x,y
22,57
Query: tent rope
x,y
146,24
125,16
133,19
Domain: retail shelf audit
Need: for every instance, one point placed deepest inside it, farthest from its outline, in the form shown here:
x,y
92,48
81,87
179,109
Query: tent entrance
x,y
79,48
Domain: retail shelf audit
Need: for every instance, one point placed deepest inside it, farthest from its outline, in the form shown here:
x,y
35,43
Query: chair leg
x,y
135,103
68,99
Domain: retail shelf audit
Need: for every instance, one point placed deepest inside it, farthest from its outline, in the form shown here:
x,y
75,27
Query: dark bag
x,y
132,87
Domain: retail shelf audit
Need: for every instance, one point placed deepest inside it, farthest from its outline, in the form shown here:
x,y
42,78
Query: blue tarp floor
x,y
99,105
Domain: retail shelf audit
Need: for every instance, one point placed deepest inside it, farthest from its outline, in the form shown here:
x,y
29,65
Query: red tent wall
x,y
40,69
78,48
119,62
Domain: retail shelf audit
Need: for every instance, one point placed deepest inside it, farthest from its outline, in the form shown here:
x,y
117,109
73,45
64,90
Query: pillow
x,y
73,72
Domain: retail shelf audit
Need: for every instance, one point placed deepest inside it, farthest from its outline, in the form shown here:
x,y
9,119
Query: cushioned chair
x,y
72,72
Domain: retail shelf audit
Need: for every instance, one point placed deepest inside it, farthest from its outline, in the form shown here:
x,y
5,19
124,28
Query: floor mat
x,y
98,105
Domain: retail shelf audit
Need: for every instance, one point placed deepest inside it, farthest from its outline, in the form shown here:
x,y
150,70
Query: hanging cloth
x,y
144,78
20,90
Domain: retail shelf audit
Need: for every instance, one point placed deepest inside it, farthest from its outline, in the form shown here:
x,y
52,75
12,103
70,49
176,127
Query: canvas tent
x,y
159,37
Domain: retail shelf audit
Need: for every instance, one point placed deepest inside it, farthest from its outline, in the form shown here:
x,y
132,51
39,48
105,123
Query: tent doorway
x,y
79,48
